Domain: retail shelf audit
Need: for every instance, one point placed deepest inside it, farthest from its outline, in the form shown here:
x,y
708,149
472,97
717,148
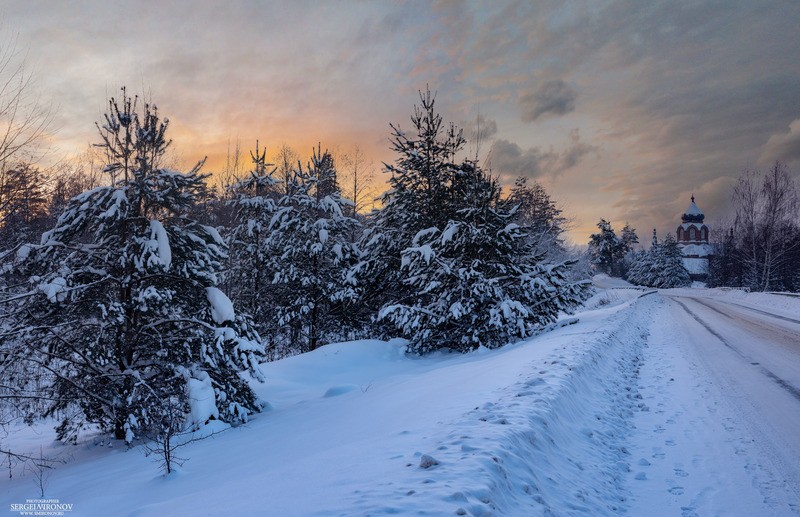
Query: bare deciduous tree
x,y
24,118
764,215
358,174
286,161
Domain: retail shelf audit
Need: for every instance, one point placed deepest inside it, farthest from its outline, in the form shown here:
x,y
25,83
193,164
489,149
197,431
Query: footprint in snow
x,y
671,443
681,473
676,490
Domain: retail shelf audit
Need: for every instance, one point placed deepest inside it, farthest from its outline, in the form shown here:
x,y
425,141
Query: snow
x,y
693,209
221,306
23,252
449,232
159,235
636,409
701,250
696,266
55,289
201,401
218,240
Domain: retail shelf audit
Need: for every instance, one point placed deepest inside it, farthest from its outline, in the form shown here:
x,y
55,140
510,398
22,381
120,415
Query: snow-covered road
x,y
720,434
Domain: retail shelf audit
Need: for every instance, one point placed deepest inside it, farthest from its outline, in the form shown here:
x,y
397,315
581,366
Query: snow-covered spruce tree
x,y
124,314
444,263
477,281
308,258
607,251
604,247
254,201
669,263
661,266
415,201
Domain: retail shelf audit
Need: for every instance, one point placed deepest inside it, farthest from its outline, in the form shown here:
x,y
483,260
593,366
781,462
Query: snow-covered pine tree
x,y
124,314
661,266
627,240
477,281
538,213
418,184
309,257
604,247
639,270
669,264
254,201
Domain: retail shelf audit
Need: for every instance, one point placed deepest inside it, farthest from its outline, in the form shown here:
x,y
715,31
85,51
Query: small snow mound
x,y
335,391
202,401
221,306
159,235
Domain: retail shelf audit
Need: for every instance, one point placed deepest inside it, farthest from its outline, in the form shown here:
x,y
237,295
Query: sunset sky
x,y
622,109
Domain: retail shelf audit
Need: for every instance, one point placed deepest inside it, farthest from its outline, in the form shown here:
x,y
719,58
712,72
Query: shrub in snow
x,y
124,314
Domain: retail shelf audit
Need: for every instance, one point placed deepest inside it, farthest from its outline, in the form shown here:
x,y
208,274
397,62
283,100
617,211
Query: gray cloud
x,y
555,97
783,146
510,160
479,128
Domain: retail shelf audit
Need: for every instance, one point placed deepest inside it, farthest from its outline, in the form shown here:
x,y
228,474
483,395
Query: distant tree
x,y
24,119
604,247
23,204
628,239
723,267
286,162
607,251
124,312
661,266
254,199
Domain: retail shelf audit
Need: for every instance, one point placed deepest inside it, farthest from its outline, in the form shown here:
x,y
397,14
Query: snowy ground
x,y
681,402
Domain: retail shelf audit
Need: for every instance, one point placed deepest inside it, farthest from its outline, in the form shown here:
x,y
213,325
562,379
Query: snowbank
x,y
523,430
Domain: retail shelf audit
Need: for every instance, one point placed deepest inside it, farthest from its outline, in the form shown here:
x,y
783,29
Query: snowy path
x,y
720,436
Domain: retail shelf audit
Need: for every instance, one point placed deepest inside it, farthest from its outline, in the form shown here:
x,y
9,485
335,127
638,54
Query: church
x,y
692,237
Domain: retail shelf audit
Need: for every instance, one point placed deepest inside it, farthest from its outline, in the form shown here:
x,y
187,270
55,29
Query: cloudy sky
x,y
622,109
